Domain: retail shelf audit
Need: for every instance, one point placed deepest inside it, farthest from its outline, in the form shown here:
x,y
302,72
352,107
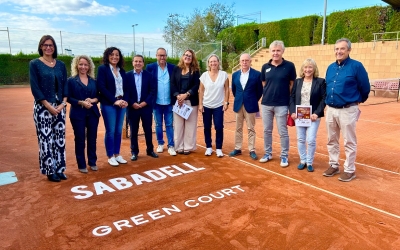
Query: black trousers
x,y
146,116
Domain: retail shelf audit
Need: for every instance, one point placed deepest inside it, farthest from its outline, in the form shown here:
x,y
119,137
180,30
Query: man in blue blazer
x,y
247,90
162,106
140,100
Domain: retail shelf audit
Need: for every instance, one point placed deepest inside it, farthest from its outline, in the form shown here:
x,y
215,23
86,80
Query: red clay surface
x,y
212,203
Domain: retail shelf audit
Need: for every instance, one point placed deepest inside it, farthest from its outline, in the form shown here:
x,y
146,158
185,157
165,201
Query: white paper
x,y
303,113
183,111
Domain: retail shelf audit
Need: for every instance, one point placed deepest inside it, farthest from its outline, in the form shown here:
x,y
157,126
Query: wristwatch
x,y
64,103
227,103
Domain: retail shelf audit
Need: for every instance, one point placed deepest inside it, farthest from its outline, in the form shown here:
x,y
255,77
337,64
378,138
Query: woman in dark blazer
x,y
113,99
84,113
185,81
308,90
48,80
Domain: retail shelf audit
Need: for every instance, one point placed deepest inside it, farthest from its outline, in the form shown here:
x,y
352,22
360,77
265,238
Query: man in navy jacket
x,y
162,106
247,90
140,100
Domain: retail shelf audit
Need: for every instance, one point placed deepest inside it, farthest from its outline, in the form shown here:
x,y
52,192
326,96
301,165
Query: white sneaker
x,y
113,162
160,148
171,151
121,160
266,158
219,153
208,151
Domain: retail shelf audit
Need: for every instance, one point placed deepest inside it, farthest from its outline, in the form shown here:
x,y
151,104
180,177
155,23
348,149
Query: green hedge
x,y
14,69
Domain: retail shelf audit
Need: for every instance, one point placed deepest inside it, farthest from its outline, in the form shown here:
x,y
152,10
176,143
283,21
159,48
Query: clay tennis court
x,y
199,202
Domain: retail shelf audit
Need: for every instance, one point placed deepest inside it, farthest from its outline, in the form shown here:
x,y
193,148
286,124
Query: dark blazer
x,y
250,95
194,83
106,85
317,96
153,69
147,93
77,91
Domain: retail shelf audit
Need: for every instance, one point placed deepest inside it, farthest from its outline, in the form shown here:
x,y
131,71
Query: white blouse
x,y
214,92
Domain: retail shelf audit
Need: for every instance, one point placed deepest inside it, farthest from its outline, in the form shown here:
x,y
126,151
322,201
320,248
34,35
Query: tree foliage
x,y
199,27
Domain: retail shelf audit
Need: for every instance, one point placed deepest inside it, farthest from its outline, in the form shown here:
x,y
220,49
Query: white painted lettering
x,y
121,223
101,230
238,187
227,191
188,205
138,179
121,183
169,172
218,197
155,175
173,209
182,170
100,187
204,199
192,167
78,190
155,214
138,219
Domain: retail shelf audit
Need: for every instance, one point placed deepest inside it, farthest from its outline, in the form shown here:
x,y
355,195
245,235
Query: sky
x,y
88,27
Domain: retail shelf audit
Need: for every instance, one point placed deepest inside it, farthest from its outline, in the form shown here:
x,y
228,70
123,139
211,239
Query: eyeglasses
x,y
48,45
162,55
188,55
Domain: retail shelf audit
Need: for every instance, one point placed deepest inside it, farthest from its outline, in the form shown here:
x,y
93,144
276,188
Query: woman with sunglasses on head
x,y
48,78
184,90
84,113
113,98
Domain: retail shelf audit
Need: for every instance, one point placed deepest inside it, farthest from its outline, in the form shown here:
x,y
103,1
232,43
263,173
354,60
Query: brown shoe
x,y
331,171
347,176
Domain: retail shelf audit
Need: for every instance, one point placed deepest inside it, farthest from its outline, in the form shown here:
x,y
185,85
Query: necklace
x,y
51,62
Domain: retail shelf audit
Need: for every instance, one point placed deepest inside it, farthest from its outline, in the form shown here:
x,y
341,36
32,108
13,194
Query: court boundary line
x,y
315,187
358,163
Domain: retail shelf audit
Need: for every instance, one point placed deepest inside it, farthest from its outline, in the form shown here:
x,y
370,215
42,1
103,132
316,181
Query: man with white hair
x,y
277,77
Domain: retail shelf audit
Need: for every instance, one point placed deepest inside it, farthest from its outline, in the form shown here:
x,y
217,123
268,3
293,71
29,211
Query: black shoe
x,y
134,157
53,178
253,155
186,152
235,152
152,154
62,176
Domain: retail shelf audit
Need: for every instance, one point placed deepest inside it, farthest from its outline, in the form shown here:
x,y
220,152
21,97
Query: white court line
x,y
358,163
315,187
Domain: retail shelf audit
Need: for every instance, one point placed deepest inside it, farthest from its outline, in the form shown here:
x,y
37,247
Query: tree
x,y
199,27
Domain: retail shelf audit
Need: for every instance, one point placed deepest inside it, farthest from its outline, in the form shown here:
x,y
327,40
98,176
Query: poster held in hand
x,y
184,111
303,113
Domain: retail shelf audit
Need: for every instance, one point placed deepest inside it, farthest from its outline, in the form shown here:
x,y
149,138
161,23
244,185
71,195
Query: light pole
x,y
134,45
173,27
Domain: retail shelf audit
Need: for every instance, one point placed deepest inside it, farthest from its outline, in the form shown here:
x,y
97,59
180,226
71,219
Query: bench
x,y
386,85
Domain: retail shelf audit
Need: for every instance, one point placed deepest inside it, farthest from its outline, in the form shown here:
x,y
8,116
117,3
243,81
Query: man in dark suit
x,y
247,90
141,95
162,106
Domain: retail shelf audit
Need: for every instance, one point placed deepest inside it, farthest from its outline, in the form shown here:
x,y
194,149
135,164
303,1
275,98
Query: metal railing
x,y
251,50
381,37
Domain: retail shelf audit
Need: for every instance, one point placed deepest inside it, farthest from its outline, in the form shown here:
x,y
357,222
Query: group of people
x,y
345,86
144,93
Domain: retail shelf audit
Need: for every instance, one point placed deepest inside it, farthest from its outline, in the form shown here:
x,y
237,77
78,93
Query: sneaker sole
x,y
347,180
284,165
330,175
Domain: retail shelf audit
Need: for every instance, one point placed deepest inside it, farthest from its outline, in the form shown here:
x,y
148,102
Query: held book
x,y
183,111
303,113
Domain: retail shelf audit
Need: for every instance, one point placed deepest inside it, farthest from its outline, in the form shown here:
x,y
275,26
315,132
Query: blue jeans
x,y
160,112
216,115
113,121
309,135
268,113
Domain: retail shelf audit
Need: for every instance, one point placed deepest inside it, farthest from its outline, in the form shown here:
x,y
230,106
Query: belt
x,y
345,106
119,97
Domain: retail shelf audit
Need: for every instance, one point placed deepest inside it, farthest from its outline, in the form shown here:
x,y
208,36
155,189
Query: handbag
x,y
290,121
